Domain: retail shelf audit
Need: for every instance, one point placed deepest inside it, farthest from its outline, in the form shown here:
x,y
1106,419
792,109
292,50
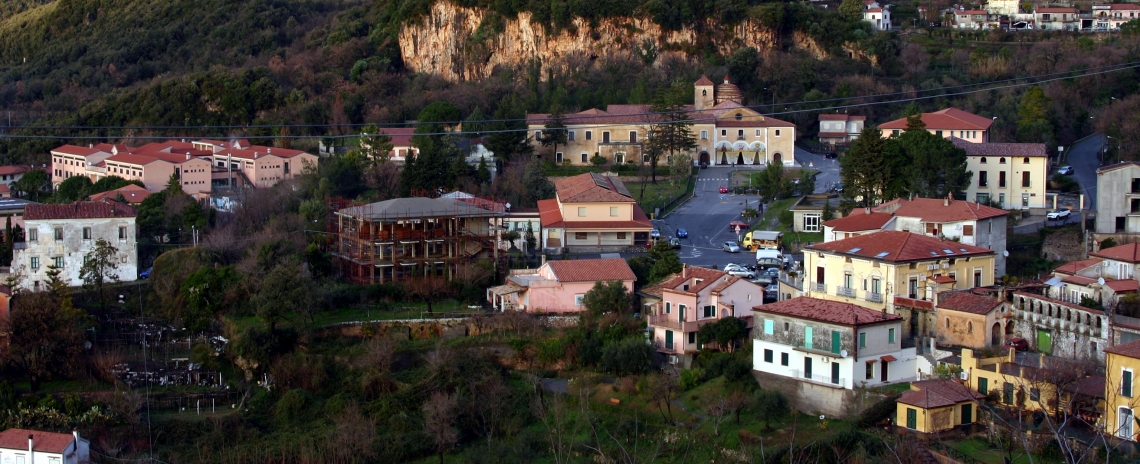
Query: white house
x,y
878,17
62,236
830,343
21,446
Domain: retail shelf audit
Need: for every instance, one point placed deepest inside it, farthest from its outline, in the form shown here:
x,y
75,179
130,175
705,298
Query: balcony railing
x,y
873,297
819,378
820,287
845,291
666,320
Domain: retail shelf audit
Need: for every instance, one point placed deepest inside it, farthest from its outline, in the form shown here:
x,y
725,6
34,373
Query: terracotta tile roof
x,y
1076,266
1129,253
640,221
915,303
1123,285
591,270
937,210
657,289
1055,10
873,10
1056,302
643,114
726,282
1130,349
841,117
968,303
949,118
5,189
944,279
401,136
1089,386
255,152
858,220
592,188
704,80
125,158
835,312
938,394
46,442
79,210
549,213
9,170
707,277
898,246
998,150
132,193
75,150
1078,280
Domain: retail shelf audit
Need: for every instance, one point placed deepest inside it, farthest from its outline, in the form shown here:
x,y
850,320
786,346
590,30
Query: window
x,y
1007,393
621,235
939,133
808,337
33,235
558,157
589,135
1025,160
585,157
768,327
122,233
1001,177
968,230
777,132
710,311
969,327
579,235
783,359
895,133
578,299
977,278
605,136
1035,394
870,369
740,134
581,211
983,179
768,356
890,336
1025,178
811,223
1126,383
757,132
59,233
1135,206
57,262
739,116
538,135
692,337
983,385
35,262
570,135
862,339
1002,160
668,339
704,135
983,160
613,211
947,322
86,233
668,307
632,136
723,133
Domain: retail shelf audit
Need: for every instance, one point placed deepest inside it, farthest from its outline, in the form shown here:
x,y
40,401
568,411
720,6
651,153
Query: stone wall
x,y
815,399
1064,245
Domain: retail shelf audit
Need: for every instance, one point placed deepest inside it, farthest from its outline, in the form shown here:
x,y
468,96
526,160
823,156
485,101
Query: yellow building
x,y
937,405
1011,175
1032,381
1121,365
897,271
592,212
726,132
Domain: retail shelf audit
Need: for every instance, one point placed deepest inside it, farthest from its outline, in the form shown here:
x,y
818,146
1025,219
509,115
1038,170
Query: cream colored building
x,y
949,122
1003,7
1011,175
592,212
154,170
726,132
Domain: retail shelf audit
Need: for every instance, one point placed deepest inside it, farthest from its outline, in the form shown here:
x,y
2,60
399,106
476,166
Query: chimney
x,y
187,156
75,433
884,313
90,145
946,202
31,448
255,155
269,151
868,210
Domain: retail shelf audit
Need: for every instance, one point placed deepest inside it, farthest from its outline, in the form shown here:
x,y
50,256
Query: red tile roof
x,y
915,303
75,150
1130,349
79,210
46,442
938,394
1055,10
949,118
998,150
704,80
1123,285
858,220
132,193
968,303
1079,280
139,160
835,312
643,114
899,246
401,136
944,279
9,170
1076,266
592,188
548,212
591,270
938,210
1129,253
706,275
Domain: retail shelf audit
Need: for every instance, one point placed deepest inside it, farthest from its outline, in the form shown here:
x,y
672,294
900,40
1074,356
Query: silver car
x,y
741,272
731,247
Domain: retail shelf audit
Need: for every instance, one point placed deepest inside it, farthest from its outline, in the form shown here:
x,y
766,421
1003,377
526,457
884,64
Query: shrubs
x,y
690,378
733,368
626,357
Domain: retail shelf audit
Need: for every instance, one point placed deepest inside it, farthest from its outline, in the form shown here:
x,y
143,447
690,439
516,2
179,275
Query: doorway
x,y
704,159
778,158
995,334
883,371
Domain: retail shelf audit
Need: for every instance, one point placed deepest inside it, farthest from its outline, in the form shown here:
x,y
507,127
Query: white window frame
x,y
581,211
578,299
704,135
814,220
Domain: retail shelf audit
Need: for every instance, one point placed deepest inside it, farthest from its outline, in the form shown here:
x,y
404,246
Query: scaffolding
x,y
405,238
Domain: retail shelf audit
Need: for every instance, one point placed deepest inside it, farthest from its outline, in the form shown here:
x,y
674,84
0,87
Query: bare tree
x,y
488,405
662,389
560,423
379,354
717,411
353,435
439,422
429,289
384,178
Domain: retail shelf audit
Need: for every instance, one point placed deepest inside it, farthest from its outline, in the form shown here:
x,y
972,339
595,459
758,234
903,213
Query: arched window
x,y
1002,160
983,160
1025,160
739,116
704,93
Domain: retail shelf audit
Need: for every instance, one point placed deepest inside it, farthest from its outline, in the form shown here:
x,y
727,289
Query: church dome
x,y
728,91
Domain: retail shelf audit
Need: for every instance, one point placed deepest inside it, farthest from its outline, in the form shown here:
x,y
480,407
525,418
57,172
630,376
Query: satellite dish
x,y
822,417
1005,253
1100,280
843,353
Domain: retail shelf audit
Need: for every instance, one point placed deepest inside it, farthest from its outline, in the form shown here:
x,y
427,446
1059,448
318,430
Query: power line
x,y
1068,75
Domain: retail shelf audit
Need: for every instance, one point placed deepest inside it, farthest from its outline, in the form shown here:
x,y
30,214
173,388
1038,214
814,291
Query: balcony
x,y
827,379
669,321
873,297
819,287
845,291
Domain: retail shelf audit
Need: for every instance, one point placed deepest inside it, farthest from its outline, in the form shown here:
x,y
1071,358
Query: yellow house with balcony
x,y
1120,394
901,272
592,212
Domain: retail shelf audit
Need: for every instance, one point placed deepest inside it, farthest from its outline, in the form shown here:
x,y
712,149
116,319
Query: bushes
x,y
733,368
627,357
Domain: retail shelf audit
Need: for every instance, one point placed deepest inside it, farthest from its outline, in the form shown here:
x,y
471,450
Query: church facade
x,y
726,131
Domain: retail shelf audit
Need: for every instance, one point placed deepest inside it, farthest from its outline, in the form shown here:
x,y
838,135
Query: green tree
x,y
205,293
432,167
607,297
665,261
938,168
112,182
724,332
73,189
851,10
1034,122
863,168
373,145
483,173
672,133
627,357
554,132
282,289
772,183
474,123
509,137
99,270
771,405
538,187
45,338
32,184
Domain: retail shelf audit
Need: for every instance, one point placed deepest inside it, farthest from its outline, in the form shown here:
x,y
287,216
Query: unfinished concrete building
x,y
406,238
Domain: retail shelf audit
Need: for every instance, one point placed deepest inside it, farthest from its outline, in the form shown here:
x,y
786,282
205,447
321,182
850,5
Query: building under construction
x,y
405,238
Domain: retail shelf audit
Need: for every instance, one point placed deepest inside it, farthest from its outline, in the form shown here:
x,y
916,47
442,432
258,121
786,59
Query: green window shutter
x,y
807,337
767,356
668,339
911,419
835,342
983,385
967,413
862,340
890,335
1126,384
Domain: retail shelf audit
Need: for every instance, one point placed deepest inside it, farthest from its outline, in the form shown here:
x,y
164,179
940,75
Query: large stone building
x,y
726,132
61,236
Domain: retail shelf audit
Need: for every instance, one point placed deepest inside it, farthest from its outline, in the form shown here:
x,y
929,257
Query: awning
x,y
870,361
888,358
1054,282
504,289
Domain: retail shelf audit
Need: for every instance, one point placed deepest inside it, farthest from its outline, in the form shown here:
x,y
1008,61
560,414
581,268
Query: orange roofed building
x,y
592,212
558,286
950,122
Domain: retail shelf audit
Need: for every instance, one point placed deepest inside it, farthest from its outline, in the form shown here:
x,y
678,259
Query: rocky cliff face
x,y
448,42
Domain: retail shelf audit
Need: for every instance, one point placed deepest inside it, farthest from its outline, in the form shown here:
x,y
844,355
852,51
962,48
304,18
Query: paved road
x,y
706,219
828,169
1084,159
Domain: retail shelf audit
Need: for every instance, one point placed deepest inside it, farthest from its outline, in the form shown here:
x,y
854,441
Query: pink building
x,y
154,169
265,166
679,305
558,286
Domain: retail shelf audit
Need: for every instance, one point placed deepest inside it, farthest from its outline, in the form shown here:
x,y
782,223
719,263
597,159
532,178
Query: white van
x,y
771,254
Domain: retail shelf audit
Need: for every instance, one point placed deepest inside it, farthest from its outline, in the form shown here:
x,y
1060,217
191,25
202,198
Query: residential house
x,y
1118,202
879,17
900,272
840,128
808,211
132,194
1003,7
10,174
592,212
1121,396
692,298
22,446
1105,277
971,19
406,238
727,132
961,221
831,343
1112,16
558,286
1027,381
1057,18
970,320
861,221
61,236
401,143
949,122
1058,327
1009,175
932,406
264,166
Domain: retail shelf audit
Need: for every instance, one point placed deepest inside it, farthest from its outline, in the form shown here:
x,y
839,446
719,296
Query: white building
x,y
1118,201
831,343
21,446
1110,17
62,235
878,17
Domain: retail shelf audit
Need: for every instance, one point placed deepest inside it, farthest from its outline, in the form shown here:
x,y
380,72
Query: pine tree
x,y
482,173
554,132
673,131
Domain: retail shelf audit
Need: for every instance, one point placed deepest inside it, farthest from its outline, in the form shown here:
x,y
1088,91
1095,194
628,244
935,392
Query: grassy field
x,y
414,310
658,195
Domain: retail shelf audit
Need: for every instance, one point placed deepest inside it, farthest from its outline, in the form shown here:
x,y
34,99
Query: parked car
x,y
703,165
741,272
838,187
682,233
655,233
731,247
1018,344
769,263
1065,170
771,294
723,189
740,265
675,244
831,155
1059,214
762,280
773,272
145,273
